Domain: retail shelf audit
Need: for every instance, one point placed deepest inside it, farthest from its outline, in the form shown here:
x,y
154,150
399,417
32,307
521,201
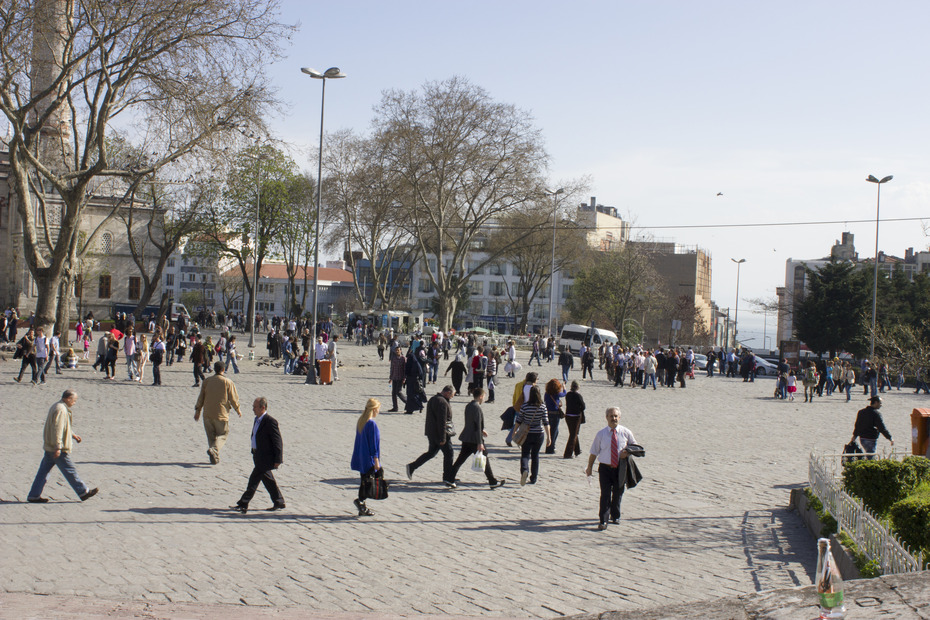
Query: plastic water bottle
x,y
251,355
829,583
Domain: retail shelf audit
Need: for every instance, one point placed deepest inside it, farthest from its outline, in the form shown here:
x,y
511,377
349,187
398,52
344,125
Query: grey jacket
x,y
474,424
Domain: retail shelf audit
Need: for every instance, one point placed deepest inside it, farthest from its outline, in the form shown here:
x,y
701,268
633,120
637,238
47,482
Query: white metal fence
x,y
825,474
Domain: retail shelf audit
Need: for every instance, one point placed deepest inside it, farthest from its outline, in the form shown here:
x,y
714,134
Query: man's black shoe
x,y
615,521
499,483
240,508
276,507
392,410
37,500
89,494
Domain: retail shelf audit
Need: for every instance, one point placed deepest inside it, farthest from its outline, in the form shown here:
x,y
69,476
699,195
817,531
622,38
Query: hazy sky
x,y
784,107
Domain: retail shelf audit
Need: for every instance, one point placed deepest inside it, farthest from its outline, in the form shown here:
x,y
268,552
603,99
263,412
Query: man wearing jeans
x,y
869,424
57,448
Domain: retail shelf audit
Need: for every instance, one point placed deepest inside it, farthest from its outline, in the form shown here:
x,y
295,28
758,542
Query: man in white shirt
x,y
609,450
41,353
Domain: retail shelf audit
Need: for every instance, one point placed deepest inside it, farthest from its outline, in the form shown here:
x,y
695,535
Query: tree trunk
x,y
46,300
63,315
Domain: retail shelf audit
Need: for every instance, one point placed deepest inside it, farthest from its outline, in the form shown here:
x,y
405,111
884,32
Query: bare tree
x,y
465,161
183,72
532,255
367,194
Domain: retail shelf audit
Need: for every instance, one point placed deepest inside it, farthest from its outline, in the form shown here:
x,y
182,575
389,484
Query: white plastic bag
x,y
479,462
516,367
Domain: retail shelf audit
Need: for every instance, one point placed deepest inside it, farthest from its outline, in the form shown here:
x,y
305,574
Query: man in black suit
x,y
267,454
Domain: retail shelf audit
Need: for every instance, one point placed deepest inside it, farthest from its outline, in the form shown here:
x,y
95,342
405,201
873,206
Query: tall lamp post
x,y
878,202
258,205
736,315
555,219
332,73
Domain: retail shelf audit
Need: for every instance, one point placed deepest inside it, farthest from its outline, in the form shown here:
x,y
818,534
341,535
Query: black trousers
x,y
573,447
611,490
266,477
467,450
156,373
30,361
432,451
198,373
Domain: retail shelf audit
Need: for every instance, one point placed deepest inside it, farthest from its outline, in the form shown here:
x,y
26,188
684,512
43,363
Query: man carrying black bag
x,y
609,448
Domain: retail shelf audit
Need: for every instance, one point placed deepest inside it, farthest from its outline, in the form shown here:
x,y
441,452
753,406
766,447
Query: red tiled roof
x,y
277,271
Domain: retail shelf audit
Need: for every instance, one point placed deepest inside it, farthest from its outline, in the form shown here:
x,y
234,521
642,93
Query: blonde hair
x,y
144,341
371,410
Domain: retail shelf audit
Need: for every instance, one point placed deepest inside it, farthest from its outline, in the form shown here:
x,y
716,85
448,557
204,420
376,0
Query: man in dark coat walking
x,y
439,432
267,455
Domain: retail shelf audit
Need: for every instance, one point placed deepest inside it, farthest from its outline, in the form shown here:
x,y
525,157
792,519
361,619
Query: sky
x,y
784,108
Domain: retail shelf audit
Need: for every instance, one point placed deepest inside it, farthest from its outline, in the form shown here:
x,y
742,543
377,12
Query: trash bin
x,y
920,418
326,373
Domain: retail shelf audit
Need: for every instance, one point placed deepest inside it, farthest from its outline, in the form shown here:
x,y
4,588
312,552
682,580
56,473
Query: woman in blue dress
x,y
366,455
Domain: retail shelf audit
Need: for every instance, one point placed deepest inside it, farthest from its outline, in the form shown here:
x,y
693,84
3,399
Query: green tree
x,y
610,284
830,316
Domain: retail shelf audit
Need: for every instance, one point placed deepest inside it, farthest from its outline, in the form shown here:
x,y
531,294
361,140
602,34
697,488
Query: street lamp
x,y
258,205
736,317
555,219
878,200
332,73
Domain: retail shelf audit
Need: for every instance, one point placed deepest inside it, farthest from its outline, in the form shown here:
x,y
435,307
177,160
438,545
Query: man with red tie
x,y
609,450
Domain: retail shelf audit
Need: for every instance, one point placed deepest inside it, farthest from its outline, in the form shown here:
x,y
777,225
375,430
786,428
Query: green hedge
x,y
910,519
882,483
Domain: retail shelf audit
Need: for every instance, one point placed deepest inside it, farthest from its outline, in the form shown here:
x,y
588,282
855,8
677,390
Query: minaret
x,y
49,40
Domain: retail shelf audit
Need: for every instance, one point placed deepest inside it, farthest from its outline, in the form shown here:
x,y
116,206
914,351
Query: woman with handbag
x,y
555,391
366,455
533,421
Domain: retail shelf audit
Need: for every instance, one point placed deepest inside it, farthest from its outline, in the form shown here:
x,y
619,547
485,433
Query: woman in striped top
x,y
533,412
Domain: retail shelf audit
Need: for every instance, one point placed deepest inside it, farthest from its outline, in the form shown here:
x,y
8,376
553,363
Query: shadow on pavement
x,y
149,464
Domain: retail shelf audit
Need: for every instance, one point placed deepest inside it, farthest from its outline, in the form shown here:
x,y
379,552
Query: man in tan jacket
x,y
57,446
217,396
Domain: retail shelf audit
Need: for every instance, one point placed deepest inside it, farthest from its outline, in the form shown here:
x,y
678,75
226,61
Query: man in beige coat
x,y
217,396
57,446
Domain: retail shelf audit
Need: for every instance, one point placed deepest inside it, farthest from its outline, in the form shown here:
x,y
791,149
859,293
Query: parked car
x,y
700,361
764,367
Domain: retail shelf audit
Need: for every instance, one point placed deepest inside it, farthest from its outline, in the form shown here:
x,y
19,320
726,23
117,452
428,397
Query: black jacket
x,y
269,448
869,424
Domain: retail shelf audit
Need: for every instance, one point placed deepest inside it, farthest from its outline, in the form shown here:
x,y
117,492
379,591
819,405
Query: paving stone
x,y
708,520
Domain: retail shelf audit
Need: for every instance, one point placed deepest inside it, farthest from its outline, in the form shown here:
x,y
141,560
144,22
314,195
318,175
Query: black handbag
x,y
376,487
852,448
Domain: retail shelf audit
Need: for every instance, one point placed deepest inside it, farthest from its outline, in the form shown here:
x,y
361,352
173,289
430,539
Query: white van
x,y
177,309
574,335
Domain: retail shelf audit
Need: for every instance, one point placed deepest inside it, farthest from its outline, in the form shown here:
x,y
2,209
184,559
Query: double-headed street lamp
x,y
332,73
736,317
878,201
555,219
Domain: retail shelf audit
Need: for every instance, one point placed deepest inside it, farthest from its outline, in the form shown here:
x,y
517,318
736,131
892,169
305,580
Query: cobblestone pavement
x,y
709,519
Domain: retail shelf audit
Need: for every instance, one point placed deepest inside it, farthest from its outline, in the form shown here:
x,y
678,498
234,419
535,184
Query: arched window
x,y
106,243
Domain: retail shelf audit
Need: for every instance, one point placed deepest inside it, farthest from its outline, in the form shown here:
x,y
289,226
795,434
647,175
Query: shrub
x,y
882,483
910,519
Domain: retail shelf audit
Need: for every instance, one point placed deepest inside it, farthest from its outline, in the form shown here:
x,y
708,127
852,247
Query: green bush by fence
x,y
882,483
910,519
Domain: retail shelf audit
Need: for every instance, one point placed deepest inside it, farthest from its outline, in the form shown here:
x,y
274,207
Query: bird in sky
x,y
720,193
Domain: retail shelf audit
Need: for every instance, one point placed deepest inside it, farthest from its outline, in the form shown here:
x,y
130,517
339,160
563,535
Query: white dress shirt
x,y
258,421
601,444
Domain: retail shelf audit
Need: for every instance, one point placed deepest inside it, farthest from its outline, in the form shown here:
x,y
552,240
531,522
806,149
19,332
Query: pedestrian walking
x,y
26,350
472,438
439,431
217,396
267,456
57,447
566,361
869,424
533,413
158,356
366,453
609,450
574,418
